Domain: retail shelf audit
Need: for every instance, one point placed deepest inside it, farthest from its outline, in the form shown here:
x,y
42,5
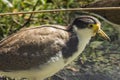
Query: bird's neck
x,y
84,38
83,41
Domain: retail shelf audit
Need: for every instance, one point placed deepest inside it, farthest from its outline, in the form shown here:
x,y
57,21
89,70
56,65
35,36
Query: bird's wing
x,y
31,47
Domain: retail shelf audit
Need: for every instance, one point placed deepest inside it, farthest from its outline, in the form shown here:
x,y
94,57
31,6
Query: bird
x,y
37,53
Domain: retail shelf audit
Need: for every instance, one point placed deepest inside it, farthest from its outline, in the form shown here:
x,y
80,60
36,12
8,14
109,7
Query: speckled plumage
x,y
39,52
31,47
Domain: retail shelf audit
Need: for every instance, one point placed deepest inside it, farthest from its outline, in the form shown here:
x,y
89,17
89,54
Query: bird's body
x,y
40,52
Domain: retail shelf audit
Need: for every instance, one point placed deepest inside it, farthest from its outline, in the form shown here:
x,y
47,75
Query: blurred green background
x,y
100,59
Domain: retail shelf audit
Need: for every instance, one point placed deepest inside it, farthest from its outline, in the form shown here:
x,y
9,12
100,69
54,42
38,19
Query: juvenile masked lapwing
x,y
39,52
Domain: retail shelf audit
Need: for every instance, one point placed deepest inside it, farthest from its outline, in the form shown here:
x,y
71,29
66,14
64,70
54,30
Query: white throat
x,y
84,36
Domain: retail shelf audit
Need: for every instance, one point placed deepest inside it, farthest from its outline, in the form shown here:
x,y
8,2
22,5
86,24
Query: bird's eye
x,y
90,26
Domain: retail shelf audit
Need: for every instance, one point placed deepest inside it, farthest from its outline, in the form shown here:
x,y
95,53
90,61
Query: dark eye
x,y
90,26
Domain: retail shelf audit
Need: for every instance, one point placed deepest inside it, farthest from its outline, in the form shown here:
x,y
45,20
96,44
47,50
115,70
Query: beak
x,y
97,29
102,34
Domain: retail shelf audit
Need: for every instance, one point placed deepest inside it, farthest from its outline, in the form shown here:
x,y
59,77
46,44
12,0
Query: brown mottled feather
x,y
31,47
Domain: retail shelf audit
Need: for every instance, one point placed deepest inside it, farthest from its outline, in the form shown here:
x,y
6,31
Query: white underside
x,y
54,65
48,70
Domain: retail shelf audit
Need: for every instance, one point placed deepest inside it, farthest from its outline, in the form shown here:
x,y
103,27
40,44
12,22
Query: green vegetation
x,y
10,24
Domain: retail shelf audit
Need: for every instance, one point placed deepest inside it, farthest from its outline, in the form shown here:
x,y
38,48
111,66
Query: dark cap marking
x,y
84,21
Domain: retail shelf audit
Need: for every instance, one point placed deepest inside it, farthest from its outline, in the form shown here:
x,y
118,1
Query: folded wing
x,y
31,47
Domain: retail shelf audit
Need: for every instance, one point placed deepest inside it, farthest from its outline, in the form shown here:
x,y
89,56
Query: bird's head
x,y
89,26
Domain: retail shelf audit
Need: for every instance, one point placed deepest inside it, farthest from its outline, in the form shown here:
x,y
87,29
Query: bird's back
x,y
31,47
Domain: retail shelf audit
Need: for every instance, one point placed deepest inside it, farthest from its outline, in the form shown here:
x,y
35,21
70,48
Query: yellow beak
x,y
102,34
97,29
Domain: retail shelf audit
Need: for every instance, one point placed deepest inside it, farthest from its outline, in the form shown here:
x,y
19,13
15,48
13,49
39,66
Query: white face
x,y
86,32
91,31
88,26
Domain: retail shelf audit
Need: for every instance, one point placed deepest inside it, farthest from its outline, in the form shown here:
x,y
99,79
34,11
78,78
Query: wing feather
x,y
32,46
